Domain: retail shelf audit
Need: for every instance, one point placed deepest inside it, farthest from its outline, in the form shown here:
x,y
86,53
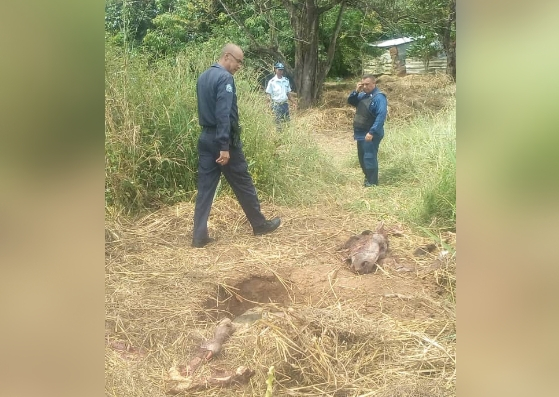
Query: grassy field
x,y
152,129
324,330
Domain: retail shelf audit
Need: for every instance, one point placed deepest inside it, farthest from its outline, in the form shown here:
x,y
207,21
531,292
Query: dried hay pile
x,y
408,96
416,94
327,331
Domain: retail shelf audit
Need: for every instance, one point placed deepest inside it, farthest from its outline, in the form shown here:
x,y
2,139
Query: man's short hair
x,y
369,76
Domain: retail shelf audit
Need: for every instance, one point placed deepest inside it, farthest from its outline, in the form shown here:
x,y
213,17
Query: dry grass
x,y
407,97
327,331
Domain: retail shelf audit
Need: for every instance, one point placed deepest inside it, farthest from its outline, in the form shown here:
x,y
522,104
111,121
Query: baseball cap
x,y
279,65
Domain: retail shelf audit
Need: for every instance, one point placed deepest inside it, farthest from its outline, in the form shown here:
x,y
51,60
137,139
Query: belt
x,y
280,103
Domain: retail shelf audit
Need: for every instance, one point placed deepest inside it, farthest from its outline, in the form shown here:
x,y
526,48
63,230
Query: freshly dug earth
x,y
295,303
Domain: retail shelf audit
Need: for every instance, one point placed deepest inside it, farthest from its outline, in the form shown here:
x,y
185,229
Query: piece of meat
x,y
365,249
222,332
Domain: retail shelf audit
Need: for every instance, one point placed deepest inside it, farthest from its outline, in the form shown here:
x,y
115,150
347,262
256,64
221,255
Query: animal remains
x,y
366,249
180,379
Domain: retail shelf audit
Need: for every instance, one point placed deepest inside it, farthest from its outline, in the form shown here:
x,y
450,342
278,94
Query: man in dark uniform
x,y
220,148
368,125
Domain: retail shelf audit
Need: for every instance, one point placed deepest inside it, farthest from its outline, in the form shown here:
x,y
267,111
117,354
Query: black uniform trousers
x,y
237,175
367,152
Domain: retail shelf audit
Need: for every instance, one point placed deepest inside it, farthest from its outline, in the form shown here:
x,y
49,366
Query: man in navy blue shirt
x,y
368,125
220,148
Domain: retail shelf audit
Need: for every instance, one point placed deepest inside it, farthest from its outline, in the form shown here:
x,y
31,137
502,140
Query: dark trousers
x,y
367,152
281,111
237,175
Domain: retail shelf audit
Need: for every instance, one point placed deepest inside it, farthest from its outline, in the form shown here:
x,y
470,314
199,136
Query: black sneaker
x,y
196,243
368,184
267,227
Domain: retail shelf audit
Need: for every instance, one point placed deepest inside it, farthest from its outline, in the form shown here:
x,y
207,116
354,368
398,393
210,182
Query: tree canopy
x,y
315,39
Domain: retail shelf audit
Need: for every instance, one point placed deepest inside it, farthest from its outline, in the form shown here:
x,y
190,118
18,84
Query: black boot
x,y
267,227
200,243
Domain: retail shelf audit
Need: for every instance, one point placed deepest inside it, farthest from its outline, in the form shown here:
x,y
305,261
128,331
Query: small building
x,y
394,60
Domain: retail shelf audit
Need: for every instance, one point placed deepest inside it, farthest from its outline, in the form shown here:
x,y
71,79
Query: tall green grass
x,y
152,131
150,128
420,156
288,167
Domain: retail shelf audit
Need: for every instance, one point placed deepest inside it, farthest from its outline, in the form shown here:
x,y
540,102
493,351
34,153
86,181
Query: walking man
x,y
279,91
220,148
368,125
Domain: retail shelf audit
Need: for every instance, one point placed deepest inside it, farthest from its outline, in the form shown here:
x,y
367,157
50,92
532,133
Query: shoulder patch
x,y
229,88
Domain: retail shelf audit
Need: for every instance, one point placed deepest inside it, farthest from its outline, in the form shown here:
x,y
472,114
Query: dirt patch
x,y
392,288
163,299
232,301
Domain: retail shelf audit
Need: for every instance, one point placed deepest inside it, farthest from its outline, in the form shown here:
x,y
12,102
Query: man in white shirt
x,y
279,91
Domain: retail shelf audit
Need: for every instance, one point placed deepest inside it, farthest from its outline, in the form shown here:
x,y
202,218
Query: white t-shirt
x,y
278,89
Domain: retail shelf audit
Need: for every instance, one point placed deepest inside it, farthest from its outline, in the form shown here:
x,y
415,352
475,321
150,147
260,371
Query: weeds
x,y
150,133
428,151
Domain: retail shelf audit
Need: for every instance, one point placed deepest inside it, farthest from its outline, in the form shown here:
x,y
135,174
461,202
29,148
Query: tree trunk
x,y
451,60
323,72
304,17
449,45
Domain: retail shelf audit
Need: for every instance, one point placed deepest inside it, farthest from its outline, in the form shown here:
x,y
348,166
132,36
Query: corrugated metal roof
x,y
392,42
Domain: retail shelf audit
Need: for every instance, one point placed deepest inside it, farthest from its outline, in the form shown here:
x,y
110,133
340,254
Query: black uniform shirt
x,y
217,102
